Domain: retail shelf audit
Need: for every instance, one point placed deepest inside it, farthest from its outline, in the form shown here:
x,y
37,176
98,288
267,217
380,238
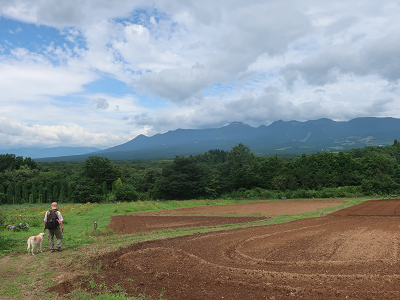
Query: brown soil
x,y
332,257
384,207
135,223
287,207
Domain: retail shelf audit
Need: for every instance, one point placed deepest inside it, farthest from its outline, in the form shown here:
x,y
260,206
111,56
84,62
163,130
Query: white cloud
x,y
14,133
27,75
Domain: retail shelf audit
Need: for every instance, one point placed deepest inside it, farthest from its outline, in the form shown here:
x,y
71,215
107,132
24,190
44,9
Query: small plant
x,y
117,208
92,284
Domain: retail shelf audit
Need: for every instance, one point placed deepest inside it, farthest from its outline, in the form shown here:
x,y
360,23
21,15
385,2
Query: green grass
x,y
16,277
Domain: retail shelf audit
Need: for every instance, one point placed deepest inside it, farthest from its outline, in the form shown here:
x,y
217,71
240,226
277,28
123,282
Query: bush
x,y
144,196
126,192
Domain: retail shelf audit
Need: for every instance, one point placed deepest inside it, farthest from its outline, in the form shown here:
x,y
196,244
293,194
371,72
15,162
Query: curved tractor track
x,y
340,256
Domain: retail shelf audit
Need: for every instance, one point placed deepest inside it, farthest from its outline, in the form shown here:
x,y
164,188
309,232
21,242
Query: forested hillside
x,y
213,174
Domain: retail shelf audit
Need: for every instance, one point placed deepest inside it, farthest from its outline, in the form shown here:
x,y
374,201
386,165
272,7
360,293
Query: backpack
x,y
52,219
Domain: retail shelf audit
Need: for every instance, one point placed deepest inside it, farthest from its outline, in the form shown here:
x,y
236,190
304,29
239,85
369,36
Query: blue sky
x,y
98,73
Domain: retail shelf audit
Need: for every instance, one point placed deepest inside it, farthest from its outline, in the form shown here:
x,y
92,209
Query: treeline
x,y
214,174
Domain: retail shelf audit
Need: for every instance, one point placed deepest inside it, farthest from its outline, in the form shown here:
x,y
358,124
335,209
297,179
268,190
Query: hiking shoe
x,y
53,250
58,249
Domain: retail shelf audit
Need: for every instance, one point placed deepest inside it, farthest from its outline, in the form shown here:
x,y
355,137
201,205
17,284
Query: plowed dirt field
x,y
346,255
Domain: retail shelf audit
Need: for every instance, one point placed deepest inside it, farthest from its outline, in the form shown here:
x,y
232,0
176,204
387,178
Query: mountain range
x,y
280,137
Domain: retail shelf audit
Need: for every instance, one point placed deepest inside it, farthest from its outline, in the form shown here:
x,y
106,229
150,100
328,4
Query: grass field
x,y
21,273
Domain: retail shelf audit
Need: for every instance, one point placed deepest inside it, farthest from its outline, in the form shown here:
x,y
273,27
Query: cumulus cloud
x,y
380,105
377,57
14,133
254,29
38,76
178,84
99,103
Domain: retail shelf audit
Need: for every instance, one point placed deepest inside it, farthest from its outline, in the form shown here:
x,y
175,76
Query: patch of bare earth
x,y
287,207
331,257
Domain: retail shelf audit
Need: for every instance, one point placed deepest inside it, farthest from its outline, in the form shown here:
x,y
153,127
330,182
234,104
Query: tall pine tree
x,y
10,194
69,192
41,194
34,193
55,193
105,191
25,194
17,194
62,194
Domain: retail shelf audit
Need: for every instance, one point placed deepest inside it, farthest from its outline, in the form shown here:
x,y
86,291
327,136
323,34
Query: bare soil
x,y
351,254
287,207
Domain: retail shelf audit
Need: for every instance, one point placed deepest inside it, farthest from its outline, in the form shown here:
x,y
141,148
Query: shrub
x,y
126,192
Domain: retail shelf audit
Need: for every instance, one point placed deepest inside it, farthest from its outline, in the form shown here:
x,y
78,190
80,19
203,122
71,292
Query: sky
x,y
98,73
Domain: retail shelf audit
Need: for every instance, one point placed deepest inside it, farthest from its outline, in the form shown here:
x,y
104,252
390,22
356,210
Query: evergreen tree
x,y
3,196
105,191
183,179
55,193
25,194
48,192
41,196
10,194
240,169
62,194
34,193
69,192
100,169
17,194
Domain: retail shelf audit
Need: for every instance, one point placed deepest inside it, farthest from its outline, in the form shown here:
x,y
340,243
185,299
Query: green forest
x,y
237,173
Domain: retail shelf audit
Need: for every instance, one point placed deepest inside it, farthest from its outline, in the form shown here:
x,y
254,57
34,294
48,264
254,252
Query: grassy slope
x,y
27,277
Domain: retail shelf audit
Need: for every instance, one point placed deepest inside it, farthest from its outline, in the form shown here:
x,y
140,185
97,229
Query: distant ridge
x,y
49,152
280,137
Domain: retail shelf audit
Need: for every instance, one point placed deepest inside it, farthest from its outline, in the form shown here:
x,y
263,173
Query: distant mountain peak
x,y
238,124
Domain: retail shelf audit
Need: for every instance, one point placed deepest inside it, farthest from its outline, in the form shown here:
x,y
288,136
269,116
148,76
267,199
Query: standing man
x,y
52,221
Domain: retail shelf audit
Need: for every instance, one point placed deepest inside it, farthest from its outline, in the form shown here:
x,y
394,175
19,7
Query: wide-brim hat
x,y
54,205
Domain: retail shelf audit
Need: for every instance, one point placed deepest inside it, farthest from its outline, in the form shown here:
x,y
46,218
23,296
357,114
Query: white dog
x,y
35,241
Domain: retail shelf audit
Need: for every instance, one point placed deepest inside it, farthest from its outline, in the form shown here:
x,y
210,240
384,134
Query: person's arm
x,y
45,219
60,218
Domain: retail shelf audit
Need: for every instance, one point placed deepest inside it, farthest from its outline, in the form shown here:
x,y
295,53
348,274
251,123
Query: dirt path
x,y
330,257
